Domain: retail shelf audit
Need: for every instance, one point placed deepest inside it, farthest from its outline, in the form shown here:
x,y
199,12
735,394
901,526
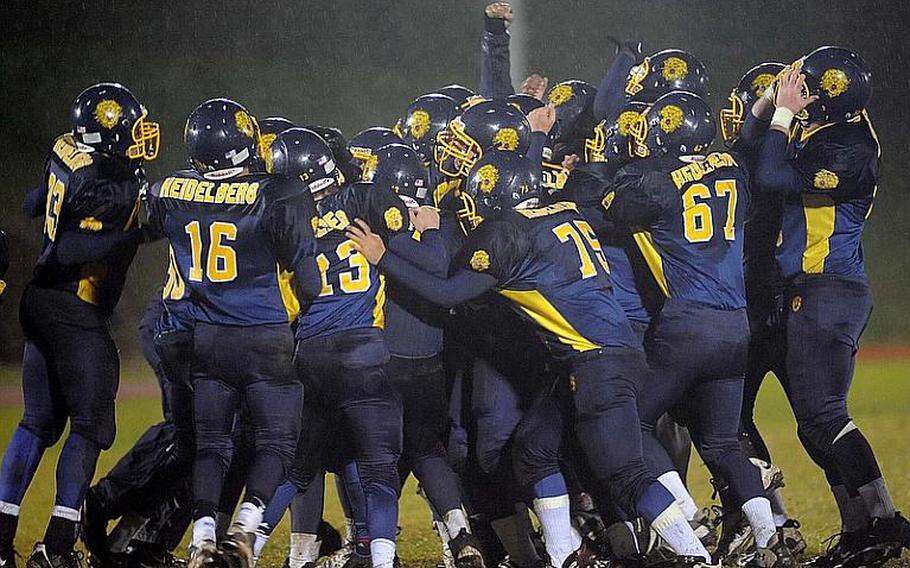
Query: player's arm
x,y
34,203
430,251
495,60
541,120
288,223
638,198
611,92
461,287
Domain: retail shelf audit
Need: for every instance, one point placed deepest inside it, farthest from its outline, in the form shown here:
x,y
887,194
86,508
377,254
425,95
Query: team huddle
x,y
534,303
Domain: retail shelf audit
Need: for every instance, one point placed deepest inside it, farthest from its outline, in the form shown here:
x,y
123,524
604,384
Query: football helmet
x,y
677,123
399,167
490,124
458,93
363,146
749,89
269,129
665,71
222,138
500,180
611,141
426,117
841,79
524,102
108,118
574,103
302,153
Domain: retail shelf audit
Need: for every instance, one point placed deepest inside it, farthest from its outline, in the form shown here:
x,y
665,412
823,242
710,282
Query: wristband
x,y
782,118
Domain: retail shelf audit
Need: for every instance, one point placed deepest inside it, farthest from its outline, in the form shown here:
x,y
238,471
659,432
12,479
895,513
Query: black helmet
x,y
425,117
364,144
269,129
222,138
490,124
300,152
109,118
677,123
499,181
612,141
841,79
458,93
398,166
749,89
665,71
574,103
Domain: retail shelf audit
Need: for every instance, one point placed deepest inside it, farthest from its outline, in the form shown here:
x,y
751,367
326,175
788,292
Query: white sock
x,y
455,520
262,538
560,537
877,499
249,516
304,548
382,552
443,533
674,485
758,511
853,515
203,530
673,527
70,514
515,537
10,509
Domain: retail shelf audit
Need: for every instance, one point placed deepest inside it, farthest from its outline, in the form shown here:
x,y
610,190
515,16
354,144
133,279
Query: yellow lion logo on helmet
x,y
506,139
487,177
560,94
419,123
108,112
675,69
480,260
835,82
671,118
265,149
761,82
244,123
625,121
393,219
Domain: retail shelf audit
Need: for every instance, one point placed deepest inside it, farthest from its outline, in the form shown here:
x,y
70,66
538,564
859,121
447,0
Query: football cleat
x,y
772,478
705,529
735,538
41,557
792,537
583,557
885,540
340,557
359,557
236,550
776,555
466,550
203,556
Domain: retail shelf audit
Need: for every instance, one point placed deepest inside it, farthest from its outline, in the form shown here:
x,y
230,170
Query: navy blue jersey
x,y
687,218
88,193
239,247
822,227
353,292
549,263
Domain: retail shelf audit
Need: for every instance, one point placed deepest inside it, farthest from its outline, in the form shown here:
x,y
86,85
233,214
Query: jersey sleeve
x,y
638,196
495,80
495,248
387,214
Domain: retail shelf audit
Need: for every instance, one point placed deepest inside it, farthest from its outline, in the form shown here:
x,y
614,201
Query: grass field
x,y
880,405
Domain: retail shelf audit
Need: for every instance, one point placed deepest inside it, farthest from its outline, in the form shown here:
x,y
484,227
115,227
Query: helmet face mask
x,y
455,151
596,145
732,118
146,139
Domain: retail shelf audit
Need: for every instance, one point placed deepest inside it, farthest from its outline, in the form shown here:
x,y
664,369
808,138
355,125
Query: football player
x,y
825,167
94,176
244,254
520,251
341,351
686,210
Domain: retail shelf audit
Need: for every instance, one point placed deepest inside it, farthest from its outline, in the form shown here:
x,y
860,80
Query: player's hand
x,y
535,85
569,161
500,11
424,218
366,241
633,48
791,93
542,119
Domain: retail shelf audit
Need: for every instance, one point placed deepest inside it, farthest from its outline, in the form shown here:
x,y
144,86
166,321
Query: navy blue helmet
x,y
499,181
665,71
749,89
399,166
611,141
841,79
365,143
222,138
458,93
302,153
574,102
424,118
524,102
110,119
677,123
487,125
269,129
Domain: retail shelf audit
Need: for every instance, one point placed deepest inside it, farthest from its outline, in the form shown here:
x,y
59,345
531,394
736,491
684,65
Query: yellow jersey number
x,y
352,281
221,262
582,235
55,191
698,219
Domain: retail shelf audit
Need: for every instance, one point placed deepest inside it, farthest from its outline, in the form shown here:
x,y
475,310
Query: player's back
x,y
90,193
560,278
687,217
222,248
353,292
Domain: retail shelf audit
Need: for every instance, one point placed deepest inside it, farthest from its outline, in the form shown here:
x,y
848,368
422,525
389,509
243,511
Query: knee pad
x,y
48,429
822,429
101,429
